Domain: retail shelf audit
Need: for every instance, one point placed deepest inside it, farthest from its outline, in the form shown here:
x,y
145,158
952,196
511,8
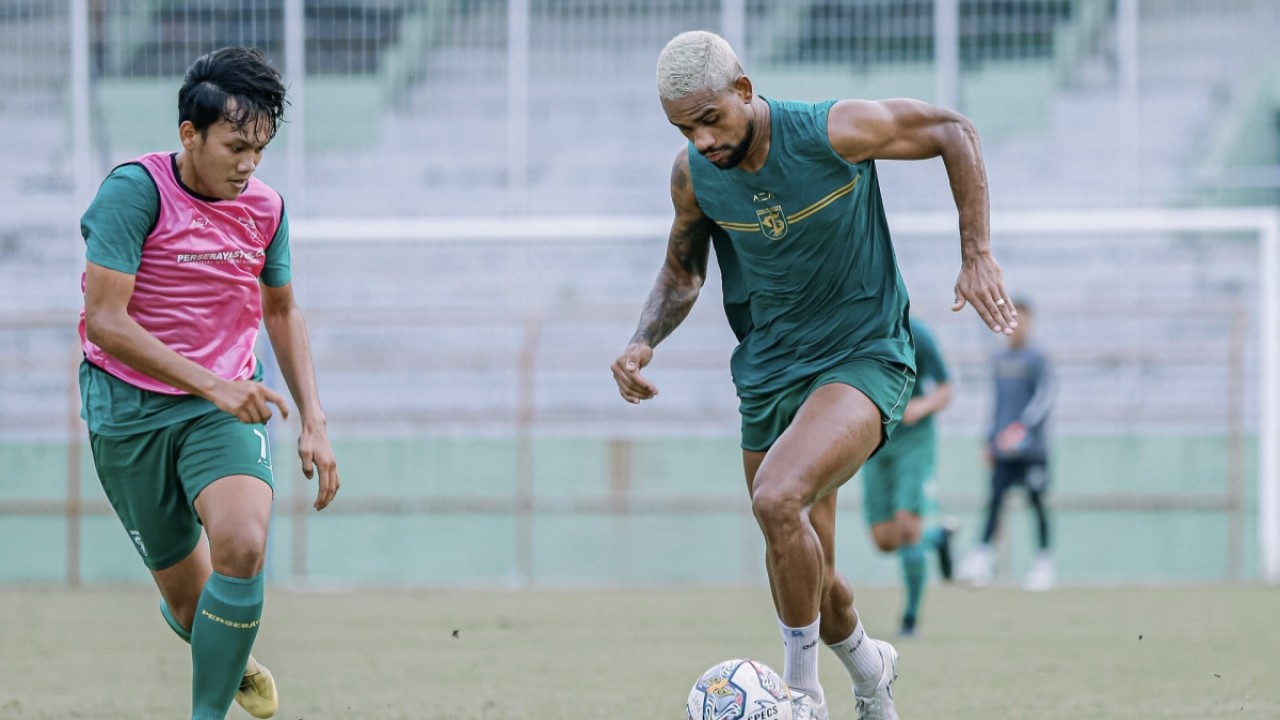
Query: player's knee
x,y
240,554
885,541
889,536
776,507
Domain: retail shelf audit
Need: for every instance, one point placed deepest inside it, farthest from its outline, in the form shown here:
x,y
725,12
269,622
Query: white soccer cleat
x,y
977,568
879,705
257,693
806,707
1043,574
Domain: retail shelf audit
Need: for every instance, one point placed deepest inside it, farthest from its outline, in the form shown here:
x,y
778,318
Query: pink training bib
x,y
196,288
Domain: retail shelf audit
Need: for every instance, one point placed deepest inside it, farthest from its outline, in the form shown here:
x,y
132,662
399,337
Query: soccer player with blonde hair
x,y
787,193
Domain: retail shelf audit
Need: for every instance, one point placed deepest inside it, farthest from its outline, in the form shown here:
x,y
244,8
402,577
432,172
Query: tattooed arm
x,y
676,288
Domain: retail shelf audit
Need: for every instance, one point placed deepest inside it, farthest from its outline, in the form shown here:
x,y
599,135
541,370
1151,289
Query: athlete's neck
x,y
758,148
185,173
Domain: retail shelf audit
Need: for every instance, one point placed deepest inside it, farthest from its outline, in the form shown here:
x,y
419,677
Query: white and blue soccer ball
x,y
739,690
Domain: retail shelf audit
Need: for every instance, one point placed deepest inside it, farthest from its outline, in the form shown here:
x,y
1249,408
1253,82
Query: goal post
x,y
1262,225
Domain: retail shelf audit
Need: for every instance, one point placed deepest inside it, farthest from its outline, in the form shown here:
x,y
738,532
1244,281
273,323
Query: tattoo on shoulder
x,y
680,173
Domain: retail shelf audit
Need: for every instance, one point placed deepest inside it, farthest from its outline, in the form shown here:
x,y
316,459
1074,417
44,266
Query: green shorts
x,y
152,478
897,477
887,384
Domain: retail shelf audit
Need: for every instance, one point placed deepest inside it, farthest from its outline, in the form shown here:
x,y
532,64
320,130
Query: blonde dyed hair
x,y
693,61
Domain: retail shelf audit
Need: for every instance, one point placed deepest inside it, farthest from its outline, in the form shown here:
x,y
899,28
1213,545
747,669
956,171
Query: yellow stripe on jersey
x,y
836,195
830,198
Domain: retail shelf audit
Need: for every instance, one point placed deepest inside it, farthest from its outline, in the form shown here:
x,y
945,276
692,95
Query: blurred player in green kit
x,y
894,480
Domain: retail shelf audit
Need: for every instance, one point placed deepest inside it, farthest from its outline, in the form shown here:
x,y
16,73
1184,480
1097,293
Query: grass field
x,y
1072,654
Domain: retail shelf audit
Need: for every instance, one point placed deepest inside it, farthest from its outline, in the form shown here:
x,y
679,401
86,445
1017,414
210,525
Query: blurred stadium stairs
x,y
426,135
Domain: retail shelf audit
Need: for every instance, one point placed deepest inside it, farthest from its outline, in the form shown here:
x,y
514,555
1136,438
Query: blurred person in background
x,y
788,194
186,255
895,480
1017,451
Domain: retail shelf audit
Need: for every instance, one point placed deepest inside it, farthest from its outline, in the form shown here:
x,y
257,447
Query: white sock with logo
x,y
861,659
800,668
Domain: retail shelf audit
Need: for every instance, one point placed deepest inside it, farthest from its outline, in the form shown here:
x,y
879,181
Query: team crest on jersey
x,y
250,226
772,222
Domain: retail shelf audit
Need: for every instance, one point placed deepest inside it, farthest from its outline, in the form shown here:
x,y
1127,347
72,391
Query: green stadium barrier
x,y
590,511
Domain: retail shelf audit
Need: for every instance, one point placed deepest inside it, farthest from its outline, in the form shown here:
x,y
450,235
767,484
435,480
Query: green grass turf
x,y
1074,654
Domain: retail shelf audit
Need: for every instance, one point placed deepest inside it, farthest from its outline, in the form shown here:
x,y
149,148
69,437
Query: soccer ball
x,y
739,690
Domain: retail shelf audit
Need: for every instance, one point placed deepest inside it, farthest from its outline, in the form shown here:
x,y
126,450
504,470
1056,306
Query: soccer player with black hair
x,y
186,255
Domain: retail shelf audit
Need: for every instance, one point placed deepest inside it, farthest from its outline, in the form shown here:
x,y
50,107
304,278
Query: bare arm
x,y
685,267
676,289
108,325
288,332
902,129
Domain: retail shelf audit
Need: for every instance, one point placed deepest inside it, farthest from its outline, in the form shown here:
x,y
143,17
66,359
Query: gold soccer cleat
x,y
257,693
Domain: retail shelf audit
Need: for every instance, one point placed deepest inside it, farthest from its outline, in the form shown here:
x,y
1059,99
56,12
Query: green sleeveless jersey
x,y
809,274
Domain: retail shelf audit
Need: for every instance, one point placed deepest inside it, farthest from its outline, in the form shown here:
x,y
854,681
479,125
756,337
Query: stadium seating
x,y
406,113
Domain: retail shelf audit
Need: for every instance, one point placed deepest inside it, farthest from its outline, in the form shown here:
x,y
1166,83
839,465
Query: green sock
x,y
226,625
177,628
913,576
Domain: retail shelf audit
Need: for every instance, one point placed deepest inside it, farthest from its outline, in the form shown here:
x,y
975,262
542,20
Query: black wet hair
x,y
232,73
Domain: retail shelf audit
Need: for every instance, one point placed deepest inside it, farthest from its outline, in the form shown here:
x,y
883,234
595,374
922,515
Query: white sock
x,y
800,667
861,659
